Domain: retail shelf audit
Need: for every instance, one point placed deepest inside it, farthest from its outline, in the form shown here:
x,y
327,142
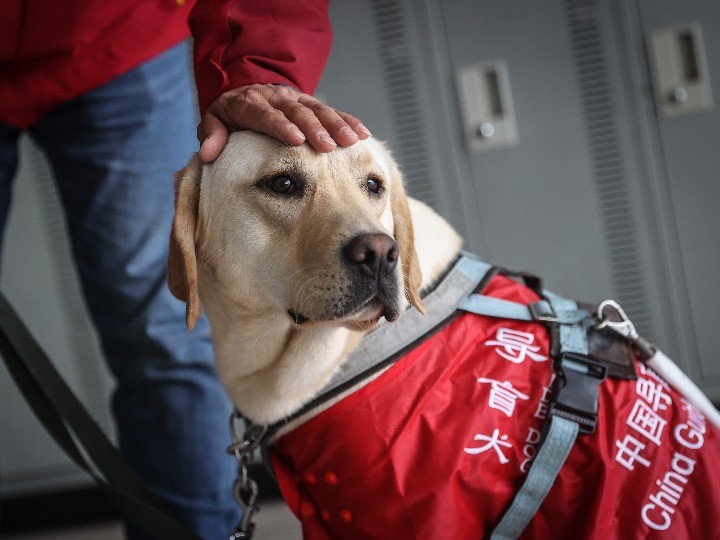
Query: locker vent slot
x,y
608,161
410,146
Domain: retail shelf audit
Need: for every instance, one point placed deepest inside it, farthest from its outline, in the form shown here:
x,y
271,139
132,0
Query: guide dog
x,y
296,255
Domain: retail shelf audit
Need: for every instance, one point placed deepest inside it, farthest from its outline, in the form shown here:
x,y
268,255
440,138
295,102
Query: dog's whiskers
x,y
303,269
296,303
299,296
307,300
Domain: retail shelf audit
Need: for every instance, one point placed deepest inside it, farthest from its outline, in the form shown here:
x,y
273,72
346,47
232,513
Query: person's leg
x,y
113,153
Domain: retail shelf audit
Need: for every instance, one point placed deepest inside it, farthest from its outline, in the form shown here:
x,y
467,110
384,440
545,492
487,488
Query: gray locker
x,y
687,185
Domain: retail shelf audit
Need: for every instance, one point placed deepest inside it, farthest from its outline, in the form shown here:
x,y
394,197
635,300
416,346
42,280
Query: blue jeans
x,y
113,152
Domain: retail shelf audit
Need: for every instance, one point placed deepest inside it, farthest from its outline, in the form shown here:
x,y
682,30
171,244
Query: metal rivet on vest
x,y
346,516
331,478
307,509
325,515
310,478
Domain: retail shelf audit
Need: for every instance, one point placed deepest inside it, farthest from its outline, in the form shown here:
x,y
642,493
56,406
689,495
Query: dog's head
x,y
322,237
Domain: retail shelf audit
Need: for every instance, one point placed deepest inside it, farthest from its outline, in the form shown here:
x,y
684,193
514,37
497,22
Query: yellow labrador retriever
x,y
295,255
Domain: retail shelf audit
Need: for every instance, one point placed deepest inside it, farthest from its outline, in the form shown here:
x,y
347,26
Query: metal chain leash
x,y
245,489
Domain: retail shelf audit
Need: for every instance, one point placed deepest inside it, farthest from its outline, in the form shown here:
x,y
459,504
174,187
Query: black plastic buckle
x,y
576,390
543,311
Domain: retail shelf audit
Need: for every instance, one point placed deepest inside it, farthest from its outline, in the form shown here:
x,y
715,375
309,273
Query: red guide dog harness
x,y
439,444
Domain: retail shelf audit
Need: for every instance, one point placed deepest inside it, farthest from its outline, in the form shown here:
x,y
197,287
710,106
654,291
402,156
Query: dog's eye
x,y
374,186
282,184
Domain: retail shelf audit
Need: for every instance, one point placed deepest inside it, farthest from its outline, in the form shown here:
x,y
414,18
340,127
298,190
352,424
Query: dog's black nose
x,y
376,254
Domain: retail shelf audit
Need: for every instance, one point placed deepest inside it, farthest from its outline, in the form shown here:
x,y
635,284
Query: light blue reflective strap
x,y
560,433
474,268
495,307
545,467
564,312
573,337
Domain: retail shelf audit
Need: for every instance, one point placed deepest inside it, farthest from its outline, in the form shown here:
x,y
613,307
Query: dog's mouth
x,y
366,310
297,317
347,297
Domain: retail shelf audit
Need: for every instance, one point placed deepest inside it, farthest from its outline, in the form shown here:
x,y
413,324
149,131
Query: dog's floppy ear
x,y
404,236
182,263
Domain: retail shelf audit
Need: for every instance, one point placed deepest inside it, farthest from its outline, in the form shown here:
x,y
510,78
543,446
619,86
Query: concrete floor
x,y
273,522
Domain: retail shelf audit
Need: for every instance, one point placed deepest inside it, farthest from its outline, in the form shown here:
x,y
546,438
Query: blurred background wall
x,y
572,138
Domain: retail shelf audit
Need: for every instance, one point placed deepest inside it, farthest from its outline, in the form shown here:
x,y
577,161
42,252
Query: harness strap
x,y
573,336
542,311
561,435
573,410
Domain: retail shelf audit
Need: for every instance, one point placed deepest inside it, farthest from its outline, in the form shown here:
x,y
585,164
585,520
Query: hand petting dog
x,y
281,112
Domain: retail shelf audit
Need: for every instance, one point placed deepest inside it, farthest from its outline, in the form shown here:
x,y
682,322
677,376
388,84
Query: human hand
x,y
278,111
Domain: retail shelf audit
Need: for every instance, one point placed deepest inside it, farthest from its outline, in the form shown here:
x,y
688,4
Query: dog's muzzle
x,y
370,287
372,259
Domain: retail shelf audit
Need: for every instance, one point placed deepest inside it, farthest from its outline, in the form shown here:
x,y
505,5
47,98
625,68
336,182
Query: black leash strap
x,y
76,432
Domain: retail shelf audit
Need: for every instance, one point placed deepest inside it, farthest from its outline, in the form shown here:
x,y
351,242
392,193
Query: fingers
x,y
250,108
307,121
357,126
313,116
280,112
214,135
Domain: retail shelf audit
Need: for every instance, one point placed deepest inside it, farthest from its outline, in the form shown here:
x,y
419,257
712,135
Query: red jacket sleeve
x,y
239,42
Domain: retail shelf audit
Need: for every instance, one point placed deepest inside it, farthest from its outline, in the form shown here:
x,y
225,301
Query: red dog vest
x,y
439,444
